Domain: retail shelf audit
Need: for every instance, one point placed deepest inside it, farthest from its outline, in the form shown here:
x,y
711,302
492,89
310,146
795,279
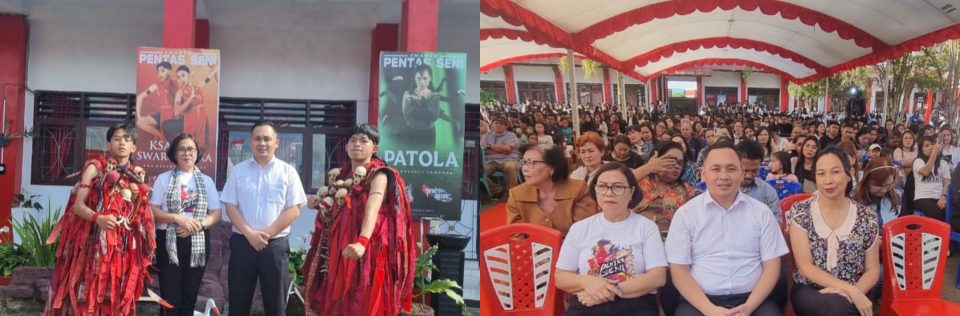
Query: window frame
x,y
88,118
330,118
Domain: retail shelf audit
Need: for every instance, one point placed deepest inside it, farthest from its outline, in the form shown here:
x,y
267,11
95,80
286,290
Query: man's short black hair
x,y
183,68
263,123
722,143
175,145
366,129
129,127
165,64
748,149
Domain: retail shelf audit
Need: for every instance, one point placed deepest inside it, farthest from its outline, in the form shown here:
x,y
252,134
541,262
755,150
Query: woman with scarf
x,y
106,236
185,205
361,259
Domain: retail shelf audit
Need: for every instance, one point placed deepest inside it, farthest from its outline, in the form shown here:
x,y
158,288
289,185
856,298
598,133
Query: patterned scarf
x,y
175,206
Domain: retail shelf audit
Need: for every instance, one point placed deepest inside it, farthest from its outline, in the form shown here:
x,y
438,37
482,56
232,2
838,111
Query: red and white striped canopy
x,y
801,40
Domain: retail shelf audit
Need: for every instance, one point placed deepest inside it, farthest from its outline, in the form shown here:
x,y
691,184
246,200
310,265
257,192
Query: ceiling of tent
x,y
802,40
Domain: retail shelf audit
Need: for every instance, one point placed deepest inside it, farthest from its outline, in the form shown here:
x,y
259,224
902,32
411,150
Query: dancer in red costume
x,y
160,107
106,237
188,105
361,256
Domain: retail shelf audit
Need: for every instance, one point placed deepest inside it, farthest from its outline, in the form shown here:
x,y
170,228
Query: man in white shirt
x,y
723,246
263,196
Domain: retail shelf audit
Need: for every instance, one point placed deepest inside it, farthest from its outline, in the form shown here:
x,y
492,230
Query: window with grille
x,y
312,134
71,127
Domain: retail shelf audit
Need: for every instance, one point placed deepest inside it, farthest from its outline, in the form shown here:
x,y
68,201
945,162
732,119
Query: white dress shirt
x,y
261,193
724,247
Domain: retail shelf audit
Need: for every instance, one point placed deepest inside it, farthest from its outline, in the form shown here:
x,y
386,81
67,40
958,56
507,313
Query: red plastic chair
x,y
516,270
915,250
788,202
785,206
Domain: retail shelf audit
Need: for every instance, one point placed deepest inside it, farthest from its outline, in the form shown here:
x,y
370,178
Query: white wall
x,y
99,55
294,63
763,80
544,73
533,74
722,79
495,74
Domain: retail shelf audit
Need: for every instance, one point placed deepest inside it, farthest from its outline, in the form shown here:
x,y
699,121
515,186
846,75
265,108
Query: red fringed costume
x,y
101,272
380,282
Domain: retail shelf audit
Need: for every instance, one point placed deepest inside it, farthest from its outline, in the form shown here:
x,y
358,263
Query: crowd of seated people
x,y
680,214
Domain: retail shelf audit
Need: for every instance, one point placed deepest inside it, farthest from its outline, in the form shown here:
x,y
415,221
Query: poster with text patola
x,y
178,91
421,127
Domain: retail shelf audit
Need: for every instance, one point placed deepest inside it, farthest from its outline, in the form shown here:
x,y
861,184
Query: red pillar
x,y
179,23
13,69
418,26
826,107
784,95
743,90
606,86
383,39
558,86
203,34
699,94
509,84
926,115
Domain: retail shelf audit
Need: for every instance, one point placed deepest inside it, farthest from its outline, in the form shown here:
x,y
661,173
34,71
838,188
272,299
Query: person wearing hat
x,y
500,154
873,152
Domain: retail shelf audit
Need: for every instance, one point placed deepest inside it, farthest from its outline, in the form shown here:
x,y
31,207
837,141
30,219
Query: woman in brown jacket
x,y
548,197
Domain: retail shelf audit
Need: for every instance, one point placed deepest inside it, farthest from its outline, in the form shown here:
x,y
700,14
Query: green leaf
x,y
456,297
438,286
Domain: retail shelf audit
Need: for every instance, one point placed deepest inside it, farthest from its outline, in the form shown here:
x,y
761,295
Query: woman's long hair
x,y
921,155
801,160
876,173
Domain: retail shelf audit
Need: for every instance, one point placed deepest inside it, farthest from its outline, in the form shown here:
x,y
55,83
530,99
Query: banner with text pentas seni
x,y
421,127
178,91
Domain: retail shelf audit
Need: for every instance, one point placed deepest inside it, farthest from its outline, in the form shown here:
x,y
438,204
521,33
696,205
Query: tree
x,y
924,69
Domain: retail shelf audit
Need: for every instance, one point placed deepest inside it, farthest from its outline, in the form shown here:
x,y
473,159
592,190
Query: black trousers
x,y
270,266
930,208
670,297
179,284
807,300
767,308
640,306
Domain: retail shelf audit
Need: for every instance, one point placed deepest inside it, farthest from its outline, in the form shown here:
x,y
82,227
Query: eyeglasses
x,y
529,163
186,150
615,189
885,186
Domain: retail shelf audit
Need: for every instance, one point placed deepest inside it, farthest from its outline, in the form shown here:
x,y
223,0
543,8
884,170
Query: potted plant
x,y
10,257
423,285
36,257
34,230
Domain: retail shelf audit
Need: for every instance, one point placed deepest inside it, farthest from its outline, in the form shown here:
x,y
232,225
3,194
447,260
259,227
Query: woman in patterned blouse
x,y
835,243
664,192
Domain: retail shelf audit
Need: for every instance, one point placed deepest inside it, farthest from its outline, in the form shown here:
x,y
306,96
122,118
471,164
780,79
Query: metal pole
x,y
826,98
574,93
646,94
621,96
